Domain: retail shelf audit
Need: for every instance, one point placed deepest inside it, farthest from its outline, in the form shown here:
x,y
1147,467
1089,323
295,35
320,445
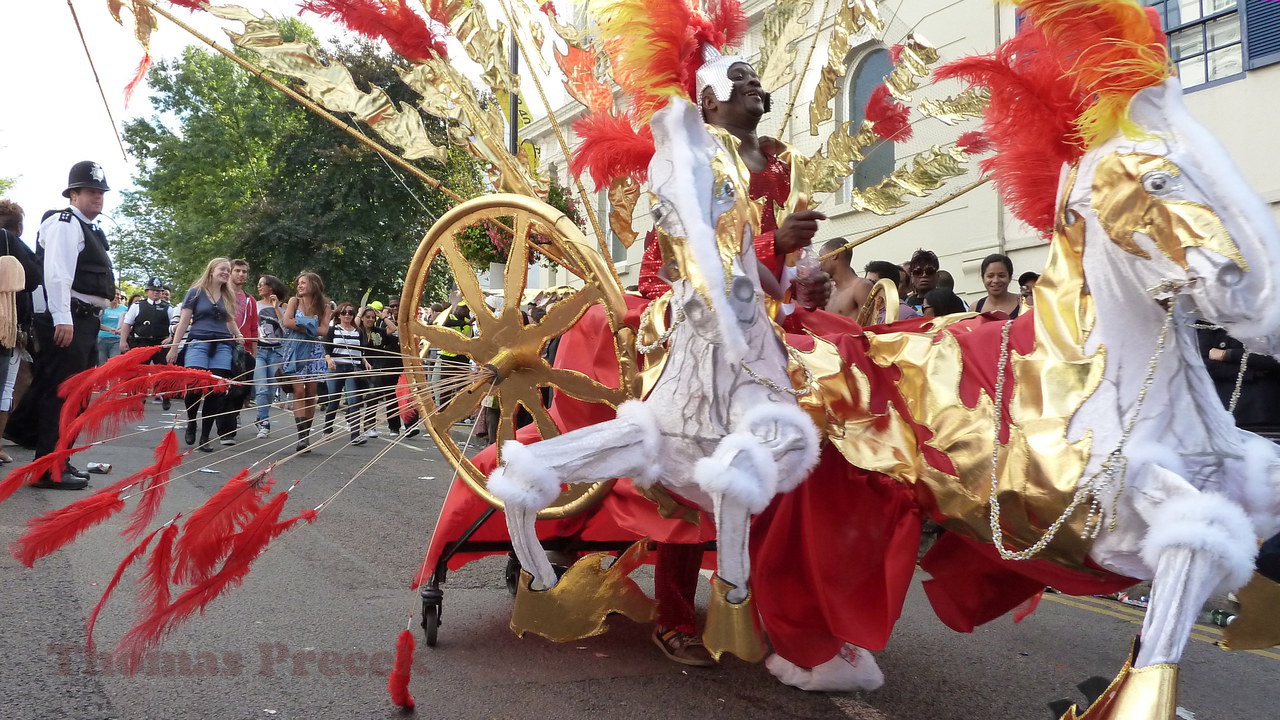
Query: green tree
x,y
233,168
5,184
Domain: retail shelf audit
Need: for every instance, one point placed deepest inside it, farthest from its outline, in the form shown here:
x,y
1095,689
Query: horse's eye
x,y
658,212
726,190
1159,182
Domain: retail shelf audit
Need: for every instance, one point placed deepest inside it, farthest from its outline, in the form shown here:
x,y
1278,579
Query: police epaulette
x,y
65,216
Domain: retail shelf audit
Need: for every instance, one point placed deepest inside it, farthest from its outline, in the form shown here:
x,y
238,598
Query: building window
x,y
871,71
1204,39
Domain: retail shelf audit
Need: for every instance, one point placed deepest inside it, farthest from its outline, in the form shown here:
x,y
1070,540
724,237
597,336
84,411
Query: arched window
x,y
870,74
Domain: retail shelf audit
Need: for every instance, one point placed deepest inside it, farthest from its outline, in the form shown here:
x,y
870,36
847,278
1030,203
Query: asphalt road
x,y
311,632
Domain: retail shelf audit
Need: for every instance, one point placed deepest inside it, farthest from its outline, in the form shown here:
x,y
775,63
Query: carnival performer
x,y
304,365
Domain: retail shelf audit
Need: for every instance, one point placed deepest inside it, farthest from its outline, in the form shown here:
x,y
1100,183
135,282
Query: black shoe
x,y
190,437
166,403
412,433
69,482
303,447
205,445
75,472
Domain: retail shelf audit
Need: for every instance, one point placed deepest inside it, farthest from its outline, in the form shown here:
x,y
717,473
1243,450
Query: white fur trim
x,y
1260,491
1206,523
802,455
523,480
650,443
716,475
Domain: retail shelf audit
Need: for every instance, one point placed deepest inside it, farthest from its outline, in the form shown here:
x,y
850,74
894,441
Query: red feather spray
x,y
209,530
611,148
129,559
890,119
973,142
156,478
1030,120
391,20
52,463
77,390
398,680
246,546
58,527
153,586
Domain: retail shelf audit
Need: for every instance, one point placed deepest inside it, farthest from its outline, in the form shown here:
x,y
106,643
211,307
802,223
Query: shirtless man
x,y
850,291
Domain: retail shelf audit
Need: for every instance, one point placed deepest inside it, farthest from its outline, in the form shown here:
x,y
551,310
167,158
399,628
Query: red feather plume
x,y
52,463
1029,120
208,531
391,20
973,142
153,586
245,547
104,417
56,528
77,390
611,148
156,477
889,118
129,559
729,21
398,680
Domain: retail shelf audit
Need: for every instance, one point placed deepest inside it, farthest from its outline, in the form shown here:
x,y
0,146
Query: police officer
x,y
146,324
78,283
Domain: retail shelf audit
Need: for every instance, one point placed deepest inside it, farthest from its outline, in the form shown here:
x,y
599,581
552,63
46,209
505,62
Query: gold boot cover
x,y
733,627
1149,693
588,593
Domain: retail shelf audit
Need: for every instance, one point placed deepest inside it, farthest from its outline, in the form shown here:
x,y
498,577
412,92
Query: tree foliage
x,y
231,167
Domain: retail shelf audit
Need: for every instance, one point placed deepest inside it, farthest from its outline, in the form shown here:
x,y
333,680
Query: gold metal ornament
x,y
882,304
624,193
914,60
1149,693
1257,626
1125,207
783,24
510,350
580,603
929,171
331,85
733,627
957,108
853,18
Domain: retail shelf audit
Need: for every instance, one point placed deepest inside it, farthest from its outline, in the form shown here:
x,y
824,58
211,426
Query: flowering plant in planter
x,y
488,242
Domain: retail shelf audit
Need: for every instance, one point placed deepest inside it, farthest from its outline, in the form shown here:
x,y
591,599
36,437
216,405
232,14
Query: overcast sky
x,y
56,117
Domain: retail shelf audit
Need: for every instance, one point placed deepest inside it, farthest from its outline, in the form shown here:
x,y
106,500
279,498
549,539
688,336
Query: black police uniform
x,y
93,279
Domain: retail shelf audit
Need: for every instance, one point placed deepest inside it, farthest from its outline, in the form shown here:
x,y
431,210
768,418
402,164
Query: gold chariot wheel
x,y
882,301
506,354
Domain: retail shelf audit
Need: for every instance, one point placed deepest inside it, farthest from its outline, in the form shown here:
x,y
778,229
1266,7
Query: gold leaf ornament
x,y
782,26
855,17
331,85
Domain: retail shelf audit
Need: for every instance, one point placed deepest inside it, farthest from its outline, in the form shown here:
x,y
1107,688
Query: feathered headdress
x,y
1059,88
656,48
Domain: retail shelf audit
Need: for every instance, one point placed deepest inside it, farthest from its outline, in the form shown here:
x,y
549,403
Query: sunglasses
x,y
924,271
347,312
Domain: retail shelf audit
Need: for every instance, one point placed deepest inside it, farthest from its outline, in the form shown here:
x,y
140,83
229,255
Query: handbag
x,y
241,362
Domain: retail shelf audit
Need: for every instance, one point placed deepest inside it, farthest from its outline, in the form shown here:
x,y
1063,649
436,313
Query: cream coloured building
x,y
1228,53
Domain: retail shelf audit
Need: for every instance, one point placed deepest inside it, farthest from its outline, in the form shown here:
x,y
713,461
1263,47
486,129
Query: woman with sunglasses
x,y
923,274
348,373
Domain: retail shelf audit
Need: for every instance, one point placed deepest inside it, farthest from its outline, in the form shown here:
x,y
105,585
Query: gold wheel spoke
x,y
468,285
446,339
562,315
529,397
462,405
584,388
517,267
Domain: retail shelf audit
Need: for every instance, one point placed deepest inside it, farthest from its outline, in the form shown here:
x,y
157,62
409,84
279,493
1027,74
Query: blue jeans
x,y
108,347
269,358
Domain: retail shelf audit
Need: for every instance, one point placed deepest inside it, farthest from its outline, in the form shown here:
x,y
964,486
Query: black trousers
x,y
41,407
383,394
